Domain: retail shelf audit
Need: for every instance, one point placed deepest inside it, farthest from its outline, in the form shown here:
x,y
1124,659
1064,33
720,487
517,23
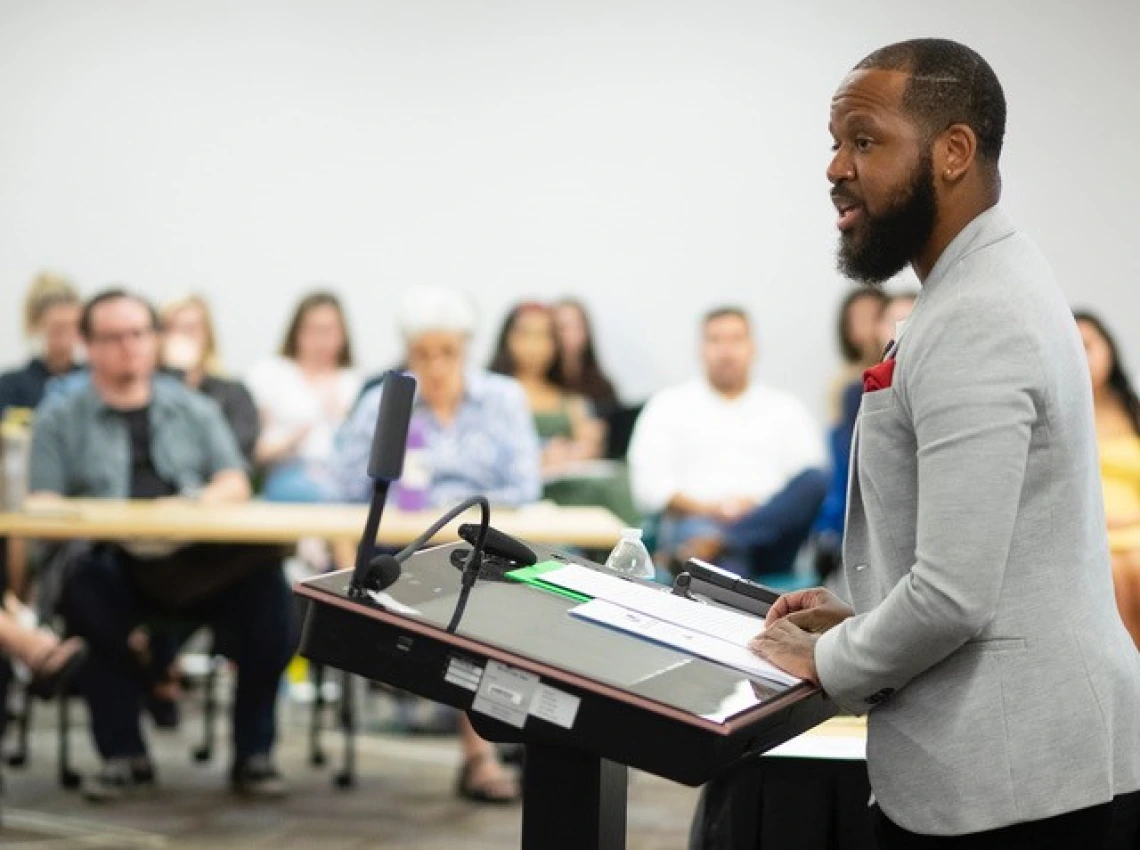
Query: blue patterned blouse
x,y
491,447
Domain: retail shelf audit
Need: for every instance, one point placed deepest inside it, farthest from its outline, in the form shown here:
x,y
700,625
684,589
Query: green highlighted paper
x,y
533,577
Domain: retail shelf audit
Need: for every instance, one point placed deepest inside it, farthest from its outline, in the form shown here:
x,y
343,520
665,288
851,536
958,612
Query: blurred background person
x,y
129,433
573,438
733,467
579,369
51,325
190,351
480,440
303,395
893,318
859,347
1118,437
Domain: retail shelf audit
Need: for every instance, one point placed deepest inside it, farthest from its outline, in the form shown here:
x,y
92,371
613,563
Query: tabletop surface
x,y
269,522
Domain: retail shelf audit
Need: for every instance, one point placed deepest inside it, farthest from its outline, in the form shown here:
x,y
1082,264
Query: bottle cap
x,y
631,533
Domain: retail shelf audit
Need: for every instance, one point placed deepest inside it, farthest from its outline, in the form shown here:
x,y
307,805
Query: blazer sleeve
x,y
973,392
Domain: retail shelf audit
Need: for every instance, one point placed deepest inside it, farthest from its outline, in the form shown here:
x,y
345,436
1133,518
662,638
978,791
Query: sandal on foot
x,y
56,666
498,791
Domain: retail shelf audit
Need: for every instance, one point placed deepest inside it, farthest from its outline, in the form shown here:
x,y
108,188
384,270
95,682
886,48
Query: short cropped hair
x,y
114,293
723,312
949,84
424,309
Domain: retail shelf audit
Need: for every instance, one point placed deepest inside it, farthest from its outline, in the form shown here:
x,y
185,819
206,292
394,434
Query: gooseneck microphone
x,y
385,465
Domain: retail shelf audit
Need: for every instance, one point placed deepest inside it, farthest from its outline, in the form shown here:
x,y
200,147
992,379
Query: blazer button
x,y
860,567
880,696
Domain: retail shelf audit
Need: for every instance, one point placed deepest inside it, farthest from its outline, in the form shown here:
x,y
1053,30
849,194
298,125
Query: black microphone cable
x,y
378,579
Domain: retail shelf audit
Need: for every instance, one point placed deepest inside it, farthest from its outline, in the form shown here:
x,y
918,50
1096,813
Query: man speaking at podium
x,y
1002,689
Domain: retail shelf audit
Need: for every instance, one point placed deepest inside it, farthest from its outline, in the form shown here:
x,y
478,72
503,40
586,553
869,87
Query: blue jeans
x,y
764,541
251,618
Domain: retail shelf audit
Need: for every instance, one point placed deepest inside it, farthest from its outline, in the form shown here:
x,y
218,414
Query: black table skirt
x,y
777,803
816,804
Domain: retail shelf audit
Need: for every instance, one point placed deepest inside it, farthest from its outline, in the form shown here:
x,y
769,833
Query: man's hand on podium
x,y
815,610
788,647
793,625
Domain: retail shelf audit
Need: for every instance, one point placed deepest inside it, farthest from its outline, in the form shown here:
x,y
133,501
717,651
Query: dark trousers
x,y
766,540
1094,828
251,618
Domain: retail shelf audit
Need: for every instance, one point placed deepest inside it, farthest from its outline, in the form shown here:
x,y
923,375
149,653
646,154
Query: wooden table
x,y
269,522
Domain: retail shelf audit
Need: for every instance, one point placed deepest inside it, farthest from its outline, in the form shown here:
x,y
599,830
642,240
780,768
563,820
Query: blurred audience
x,y
893,318
573,439
129,432
1118,436
858,332
51,325
480,437
735,468
480,440
303,396
579,371
527,350
190,351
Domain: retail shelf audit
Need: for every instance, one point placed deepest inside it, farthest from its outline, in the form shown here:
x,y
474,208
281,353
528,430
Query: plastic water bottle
x,y
630,557
413,490
15,446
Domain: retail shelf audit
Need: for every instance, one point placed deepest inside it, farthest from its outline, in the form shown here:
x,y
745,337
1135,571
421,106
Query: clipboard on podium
x,y
587,701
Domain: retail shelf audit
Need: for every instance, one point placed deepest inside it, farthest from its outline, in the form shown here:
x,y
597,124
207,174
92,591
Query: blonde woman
x,y
51,325
190,351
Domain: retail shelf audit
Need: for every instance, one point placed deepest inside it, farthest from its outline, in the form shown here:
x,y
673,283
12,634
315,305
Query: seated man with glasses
x,y
132,433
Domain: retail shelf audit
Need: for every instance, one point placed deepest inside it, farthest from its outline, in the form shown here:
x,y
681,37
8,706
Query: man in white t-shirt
x,y
734,468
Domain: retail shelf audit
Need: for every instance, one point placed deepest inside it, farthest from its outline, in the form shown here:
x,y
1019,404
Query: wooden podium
x,y
586,700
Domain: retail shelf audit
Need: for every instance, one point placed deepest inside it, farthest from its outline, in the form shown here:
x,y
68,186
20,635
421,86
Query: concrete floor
x,y
404,799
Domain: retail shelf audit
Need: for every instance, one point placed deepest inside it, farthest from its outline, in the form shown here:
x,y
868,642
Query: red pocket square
x,y
879,377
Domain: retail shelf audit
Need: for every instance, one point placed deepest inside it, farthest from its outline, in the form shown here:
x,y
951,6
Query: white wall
x,y
655,158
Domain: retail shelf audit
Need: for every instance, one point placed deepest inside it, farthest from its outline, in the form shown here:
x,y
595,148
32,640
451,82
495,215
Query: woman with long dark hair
x,y
579,370
572,436
527,350
1117,411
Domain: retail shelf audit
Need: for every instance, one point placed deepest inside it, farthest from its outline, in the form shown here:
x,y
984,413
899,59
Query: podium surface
x,y
585,699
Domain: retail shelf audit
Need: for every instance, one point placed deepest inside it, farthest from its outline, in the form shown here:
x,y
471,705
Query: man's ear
x,y
955,152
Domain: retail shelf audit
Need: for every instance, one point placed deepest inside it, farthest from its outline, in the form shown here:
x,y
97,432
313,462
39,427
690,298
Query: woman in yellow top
x,y
1118,435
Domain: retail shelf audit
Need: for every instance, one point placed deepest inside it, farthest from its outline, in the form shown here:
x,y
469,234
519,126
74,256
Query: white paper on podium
x,y
689,640
659,603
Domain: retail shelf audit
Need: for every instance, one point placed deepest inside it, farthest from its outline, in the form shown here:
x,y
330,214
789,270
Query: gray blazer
x,y
1003,684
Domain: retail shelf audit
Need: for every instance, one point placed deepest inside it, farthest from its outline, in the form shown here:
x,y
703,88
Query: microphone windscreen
x,y
383,571
390,438
500,544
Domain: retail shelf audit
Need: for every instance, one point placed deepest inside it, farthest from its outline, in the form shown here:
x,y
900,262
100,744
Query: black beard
x,y
892,239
